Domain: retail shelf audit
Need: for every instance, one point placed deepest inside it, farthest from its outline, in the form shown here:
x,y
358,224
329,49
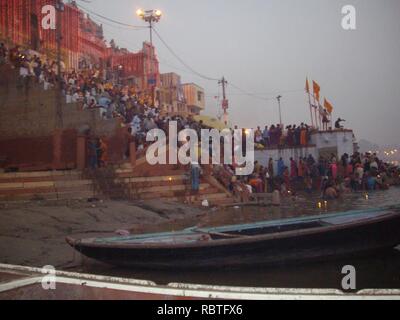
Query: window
x,y
199,96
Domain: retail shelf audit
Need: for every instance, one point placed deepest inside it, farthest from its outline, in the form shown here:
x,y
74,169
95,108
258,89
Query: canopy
x,y
211,122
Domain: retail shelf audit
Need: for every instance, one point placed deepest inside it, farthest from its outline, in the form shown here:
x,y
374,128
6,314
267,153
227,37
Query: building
x,y
139,68
82,42
82,39
92,46
20,24
194,97
322,144
171,98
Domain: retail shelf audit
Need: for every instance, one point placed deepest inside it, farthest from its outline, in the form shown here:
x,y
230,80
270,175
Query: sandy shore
x,y
33,233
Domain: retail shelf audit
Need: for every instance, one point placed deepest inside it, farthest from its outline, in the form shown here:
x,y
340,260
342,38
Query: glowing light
x,y
319,205
170,179
158,13
366,196
326,204
140,13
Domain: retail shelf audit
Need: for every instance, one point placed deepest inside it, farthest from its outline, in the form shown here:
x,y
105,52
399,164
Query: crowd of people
x,y
331,176
278,136
95,88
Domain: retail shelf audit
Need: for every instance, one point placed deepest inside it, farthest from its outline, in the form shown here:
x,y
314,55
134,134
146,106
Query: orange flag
x,y
307,86
317,89
328,106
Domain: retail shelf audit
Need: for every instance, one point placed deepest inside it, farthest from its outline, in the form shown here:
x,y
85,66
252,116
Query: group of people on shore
x,y
278,136
330,176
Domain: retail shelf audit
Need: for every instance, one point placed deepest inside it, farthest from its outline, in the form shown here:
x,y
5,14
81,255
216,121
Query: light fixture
x,y
140,13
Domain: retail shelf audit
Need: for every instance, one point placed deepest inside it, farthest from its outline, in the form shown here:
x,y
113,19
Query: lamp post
x,y
151,17
280,110
59,10
120,68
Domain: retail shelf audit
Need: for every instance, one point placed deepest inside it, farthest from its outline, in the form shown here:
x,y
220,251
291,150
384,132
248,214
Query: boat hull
x,y
283,248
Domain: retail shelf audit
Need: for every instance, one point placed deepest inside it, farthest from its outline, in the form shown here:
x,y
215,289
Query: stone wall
x,y
338,142
28,126
263,156
32,112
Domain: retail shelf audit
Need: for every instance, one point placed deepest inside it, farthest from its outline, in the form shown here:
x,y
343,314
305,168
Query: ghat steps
x,y
168,183
46,185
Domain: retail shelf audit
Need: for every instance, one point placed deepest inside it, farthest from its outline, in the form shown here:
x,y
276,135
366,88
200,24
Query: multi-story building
x,y
171,98
139,68
82,41
194,98
21,24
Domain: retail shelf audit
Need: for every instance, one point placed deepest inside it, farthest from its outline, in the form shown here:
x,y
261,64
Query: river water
x,y
374,271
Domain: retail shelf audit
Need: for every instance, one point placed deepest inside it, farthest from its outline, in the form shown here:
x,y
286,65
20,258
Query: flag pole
x,y
320,115
309,101
315,112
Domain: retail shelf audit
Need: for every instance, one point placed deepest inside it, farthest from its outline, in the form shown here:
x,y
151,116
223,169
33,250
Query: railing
x,y
239,189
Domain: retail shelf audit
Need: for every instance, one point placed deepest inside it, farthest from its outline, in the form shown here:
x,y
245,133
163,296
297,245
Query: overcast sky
x,y
268,47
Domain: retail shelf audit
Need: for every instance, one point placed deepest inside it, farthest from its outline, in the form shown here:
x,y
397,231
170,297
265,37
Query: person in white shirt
x,y
75,97
68,97
23,70
135,124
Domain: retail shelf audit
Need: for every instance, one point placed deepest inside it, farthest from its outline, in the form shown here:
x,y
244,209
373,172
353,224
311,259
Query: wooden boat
x,y
262,243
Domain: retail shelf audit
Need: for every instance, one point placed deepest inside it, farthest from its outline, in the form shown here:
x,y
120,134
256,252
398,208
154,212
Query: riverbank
x,y
33,233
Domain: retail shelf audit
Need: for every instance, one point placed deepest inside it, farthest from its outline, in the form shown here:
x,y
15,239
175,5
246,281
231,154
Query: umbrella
x,y
211,122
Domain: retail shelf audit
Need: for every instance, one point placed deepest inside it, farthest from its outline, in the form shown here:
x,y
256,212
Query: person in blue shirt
x,y
371,182
265,136
281,167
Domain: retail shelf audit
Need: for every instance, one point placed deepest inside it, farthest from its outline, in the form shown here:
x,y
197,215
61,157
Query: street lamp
x,y
120,68
150,16
280,111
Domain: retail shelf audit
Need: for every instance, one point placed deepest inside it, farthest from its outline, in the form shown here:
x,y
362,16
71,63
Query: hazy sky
x,y
268,47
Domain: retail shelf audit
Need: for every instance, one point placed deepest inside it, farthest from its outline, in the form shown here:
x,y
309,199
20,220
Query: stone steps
x,y
47,185
144,182
168,183
169,191
71,195
39,174
44,184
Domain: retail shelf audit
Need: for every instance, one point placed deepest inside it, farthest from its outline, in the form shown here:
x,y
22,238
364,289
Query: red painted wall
x,y
27,151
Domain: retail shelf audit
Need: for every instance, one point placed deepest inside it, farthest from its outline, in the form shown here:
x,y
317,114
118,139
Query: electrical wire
x,y
244,92
110,20
192,70
181,60
262,96
135,47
